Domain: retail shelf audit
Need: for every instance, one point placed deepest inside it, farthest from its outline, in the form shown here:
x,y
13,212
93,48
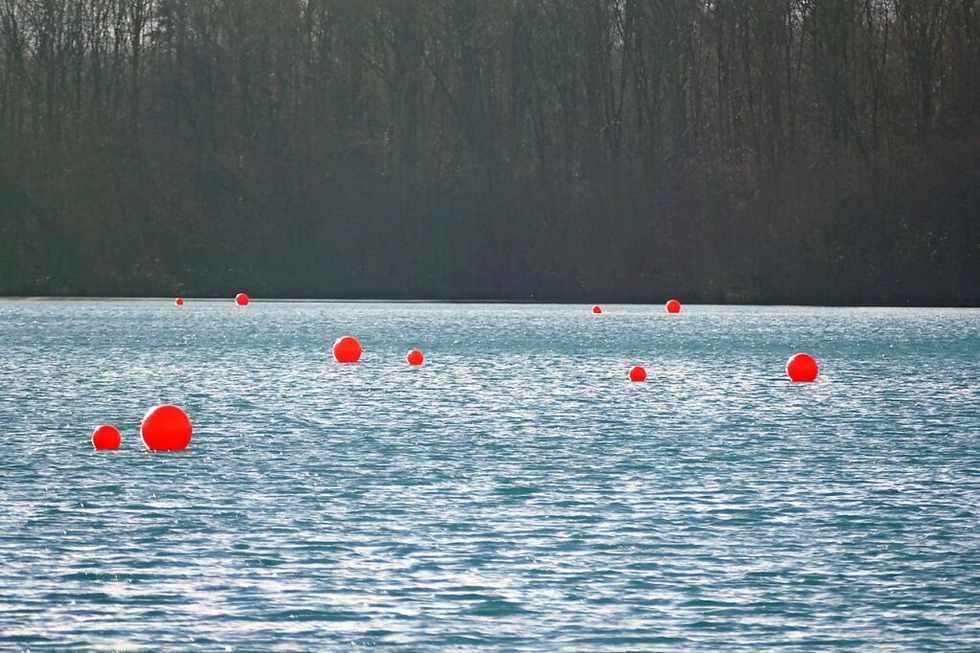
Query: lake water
x,y
516,492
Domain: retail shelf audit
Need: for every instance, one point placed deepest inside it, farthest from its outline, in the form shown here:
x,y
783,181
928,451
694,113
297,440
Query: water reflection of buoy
x,y
638,374
241,299
179,301
347,349
597,309
166,428
415,357
106,436
802,368
673,306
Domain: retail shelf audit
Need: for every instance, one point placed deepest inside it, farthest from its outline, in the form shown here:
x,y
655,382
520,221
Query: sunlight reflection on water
x,y
515,492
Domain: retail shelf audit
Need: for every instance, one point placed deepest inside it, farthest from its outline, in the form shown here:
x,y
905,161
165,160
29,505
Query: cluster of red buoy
x,y
241,299
347,349
672,306
800,368
167,427
164,428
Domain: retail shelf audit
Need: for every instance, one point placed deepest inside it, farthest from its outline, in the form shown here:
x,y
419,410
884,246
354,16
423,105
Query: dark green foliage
x,y
780,151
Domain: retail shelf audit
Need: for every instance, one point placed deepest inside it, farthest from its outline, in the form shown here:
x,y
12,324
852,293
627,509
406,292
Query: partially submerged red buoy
x,y
638,374
166,428
415,357
241,299
347,349
673,306
179,301
802,368
106,436
597,310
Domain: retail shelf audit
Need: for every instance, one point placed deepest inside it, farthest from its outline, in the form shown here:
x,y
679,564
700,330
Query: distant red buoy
x,y
638,374
596,309
179,301
673,306
166,428
347,349
106,436
241,299
415,357
802,368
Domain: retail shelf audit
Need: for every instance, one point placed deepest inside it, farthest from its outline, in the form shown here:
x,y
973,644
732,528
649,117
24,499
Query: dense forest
x,y
807,151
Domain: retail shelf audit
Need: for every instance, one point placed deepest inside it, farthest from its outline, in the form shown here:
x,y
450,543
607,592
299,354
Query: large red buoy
x,y
415,357
179,301
166,428
673,306
241,299
638,374
597,309
802,368
347,349
106,436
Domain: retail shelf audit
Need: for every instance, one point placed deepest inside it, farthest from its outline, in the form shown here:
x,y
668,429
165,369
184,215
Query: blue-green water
x,y
514,493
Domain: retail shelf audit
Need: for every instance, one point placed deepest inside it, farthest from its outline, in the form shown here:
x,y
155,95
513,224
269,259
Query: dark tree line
x,y
725,150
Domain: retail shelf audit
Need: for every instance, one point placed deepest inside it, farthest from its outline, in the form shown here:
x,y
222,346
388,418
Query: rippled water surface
x,y
516,492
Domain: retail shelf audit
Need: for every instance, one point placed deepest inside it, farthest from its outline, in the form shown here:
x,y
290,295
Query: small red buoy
x,y
414,357
106,436
179,301
597,309
347,349
241,299
638,374
802,368
673,306
166,428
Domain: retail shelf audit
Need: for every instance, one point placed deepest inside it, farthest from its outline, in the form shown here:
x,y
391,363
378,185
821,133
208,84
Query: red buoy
x,y
166,428
414,357
347,349
673,306
638,374
179,301
802,368
241,299
596,309
106,436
